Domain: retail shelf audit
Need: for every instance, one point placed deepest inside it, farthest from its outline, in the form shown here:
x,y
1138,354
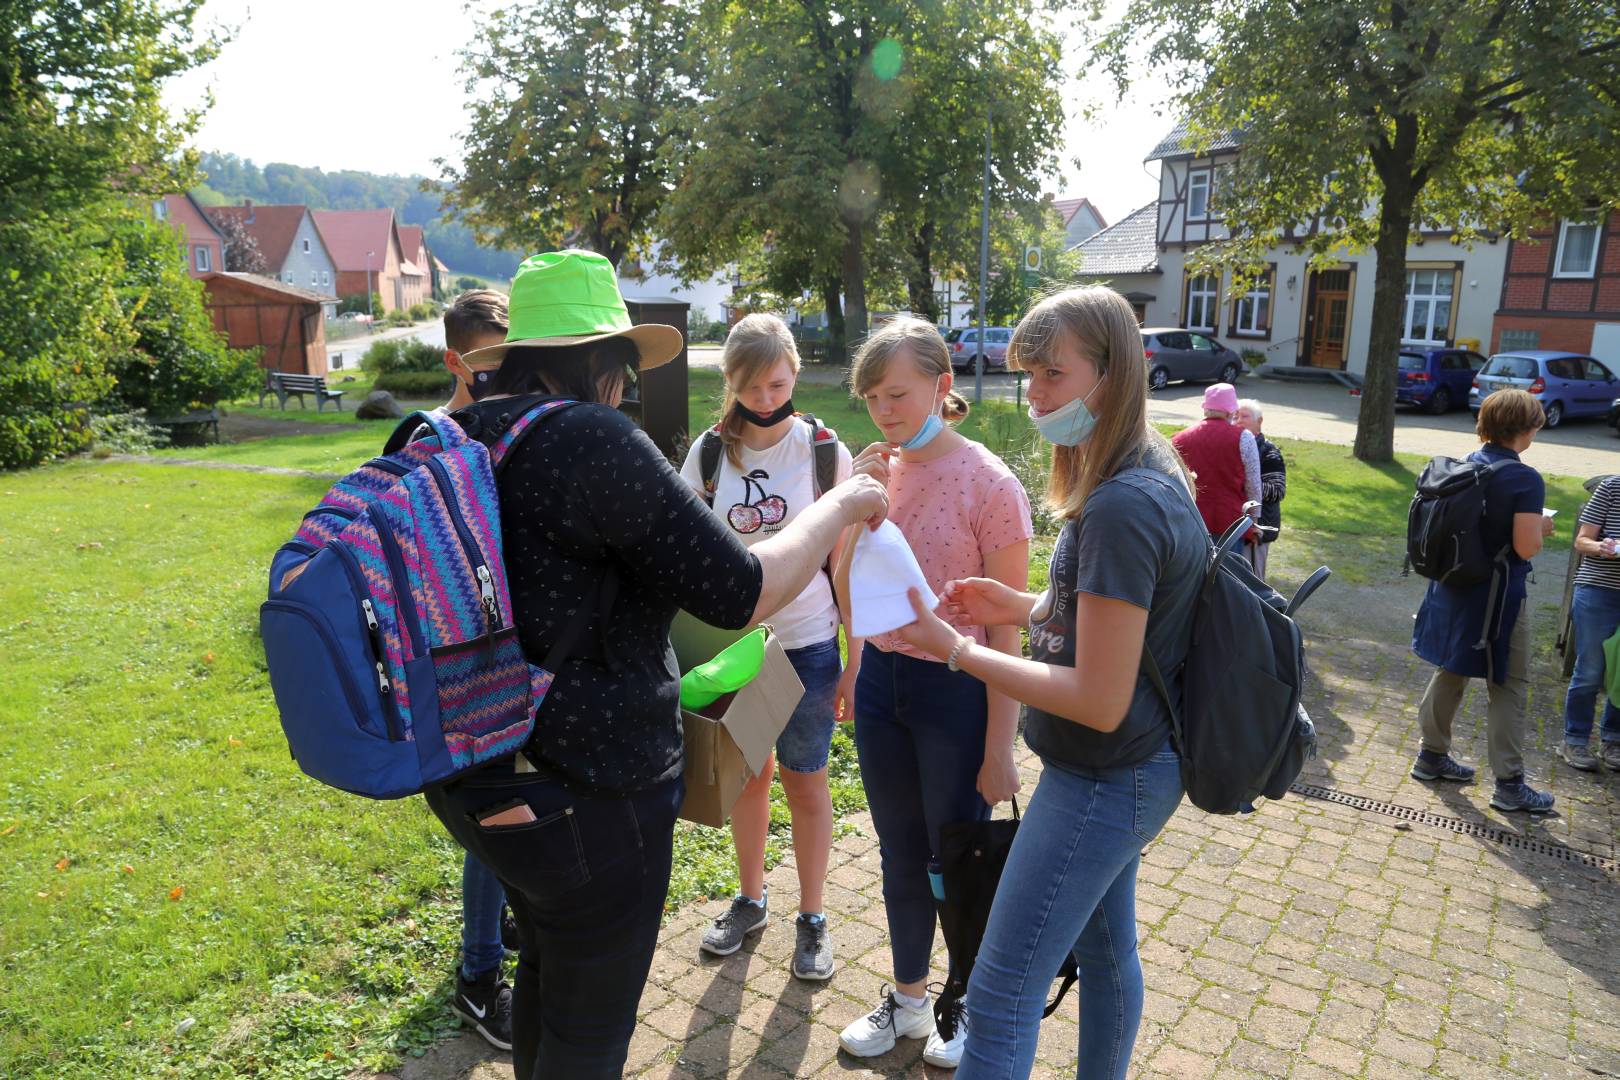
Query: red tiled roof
x,y
349,234
272,226
1070,207
410,240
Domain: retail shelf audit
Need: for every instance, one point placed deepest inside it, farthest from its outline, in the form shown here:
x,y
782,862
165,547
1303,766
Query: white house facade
x,y
1293,315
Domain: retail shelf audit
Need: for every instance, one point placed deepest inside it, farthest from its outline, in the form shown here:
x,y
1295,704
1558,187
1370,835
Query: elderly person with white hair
x,y
1273,482
1224,460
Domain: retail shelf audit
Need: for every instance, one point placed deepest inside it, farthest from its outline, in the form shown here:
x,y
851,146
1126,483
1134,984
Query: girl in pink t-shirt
x,y
935,747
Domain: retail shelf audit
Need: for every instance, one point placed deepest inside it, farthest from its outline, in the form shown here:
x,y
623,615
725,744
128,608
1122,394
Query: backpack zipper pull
x,y
375,630
486,591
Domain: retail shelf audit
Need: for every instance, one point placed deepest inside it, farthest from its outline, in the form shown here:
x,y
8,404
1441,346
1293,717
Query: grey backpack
x,y
1239,726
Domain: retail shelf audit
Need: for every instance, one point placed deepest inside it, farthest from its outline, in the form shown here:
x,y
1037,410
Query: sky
x,y
373,85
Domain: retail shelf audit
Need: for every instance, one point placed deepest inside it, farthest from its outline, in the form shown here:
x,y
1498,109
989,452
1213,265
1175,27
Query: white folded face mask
x,y
880,572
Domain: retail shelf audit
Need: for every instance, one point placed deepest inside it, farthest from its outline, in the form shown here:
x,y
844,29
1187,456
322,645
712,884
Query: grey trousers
x,y
1257,558
1504,717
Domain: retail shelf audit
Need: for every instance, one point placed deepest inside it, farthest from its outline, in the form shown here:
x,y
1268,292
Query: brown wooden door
x,y
1330,318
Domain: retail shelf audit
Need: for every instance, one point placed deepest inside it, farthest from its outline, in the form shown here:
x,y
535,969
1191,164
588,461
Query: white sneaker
x,y
875,1033
947,1053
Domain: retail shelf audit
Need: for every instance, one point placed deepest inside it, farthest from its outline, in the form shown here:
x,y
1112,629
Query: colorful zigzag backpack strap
x,y
513,435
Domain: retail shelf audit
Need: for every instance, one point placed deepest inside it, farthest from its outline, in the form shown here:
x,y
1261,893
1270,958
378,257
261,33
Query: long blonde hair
x,y
928,352
754,346
1101,324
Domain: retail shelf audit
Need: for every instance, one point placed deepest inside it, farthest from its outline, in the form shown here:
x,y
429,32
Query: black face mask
x,y
480,387
765,421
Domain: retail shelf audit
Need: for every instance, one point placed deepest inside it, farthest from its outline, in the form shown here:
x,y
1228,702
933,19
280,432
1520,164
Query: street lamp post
x,y
369,313
984,262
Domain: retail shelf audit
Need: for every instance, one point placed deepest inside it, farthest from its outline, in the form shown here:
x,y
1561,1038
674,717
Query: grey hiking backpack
x,y
1239,726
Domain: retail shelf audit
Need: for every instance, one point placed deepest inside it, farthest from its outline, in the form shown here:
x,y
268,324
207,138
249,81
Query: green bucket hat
x,y
572,298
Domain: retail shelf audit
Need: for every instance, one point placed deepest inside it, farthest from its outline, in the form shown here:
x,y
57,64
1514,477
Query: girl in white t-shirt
x,y
761,474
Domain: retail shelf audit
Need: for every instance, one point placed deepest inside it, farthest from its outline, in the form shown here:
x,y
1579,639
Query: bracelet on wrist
x,y
956,652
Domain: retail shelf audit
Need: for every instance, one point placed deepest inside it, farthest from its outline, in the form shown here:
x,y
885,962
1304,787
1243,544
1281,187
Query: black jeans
x,y
586,882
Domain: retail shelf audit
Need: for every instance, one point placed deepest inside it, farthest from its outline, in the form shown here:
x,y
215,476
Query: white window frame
x,y
1249,304
160,210
1198,178
306,245
1208,308
314,278
1596,225
203,258
1413,298
326,277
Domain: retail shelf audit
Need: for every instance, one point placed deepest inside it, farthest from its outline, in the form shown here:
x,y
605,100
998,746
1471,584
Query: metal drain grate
x,y
1457,825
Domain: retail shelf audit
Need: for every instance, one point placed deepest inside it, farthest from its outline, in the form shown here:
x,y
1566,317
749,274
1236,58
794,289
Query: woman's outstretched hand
x,y
984,602
929,633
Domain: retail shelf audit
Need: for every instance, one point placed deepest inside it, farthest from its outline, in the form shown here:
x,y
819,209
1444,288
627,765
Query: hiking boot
x,y
876,1032
485,1005
1441,767
943,1053
1578,756
1517,795
1611,756
812,949
742,918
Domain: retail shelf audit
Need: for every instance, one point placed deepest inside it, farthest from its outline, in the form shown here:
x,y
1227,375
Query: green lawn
x,y
165,862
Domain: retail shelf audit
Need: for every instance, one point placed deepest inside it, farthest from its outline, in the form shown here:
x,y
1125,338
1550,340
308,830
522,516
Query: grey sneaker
x,y
1517,795
812,949
1578,756
1611,755
742,918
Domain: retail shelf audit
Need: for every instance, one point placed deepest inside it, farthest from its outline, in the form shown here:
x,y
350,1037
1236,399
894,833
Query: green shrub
x,y
463,283
357,302
415,384
124,433
699,327
397,317
421,312
179,362
385,357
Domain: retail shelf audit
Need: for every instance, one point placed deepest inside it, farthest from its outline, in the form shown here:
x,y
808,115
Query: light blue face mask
x,y
930,428
1069,425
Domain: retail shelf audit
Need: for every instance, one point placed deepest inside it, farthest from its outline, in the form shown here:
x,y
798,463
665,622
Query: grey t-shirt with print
x,y
1138,540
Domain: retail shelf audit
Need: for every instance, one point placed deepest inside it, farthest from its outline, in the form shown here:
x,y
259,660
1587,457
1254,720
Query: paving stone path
x,y
1308,940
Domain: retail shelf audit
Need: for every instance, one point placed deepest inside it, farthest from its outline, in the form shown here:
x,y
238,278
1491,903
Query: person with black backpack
x,y
758,469
1126,579
1474,526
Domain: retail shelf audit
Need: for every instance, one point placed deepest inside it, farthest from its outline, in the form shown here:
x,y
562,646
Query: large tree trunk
x,y
854,274
831,302
920,272
1375,428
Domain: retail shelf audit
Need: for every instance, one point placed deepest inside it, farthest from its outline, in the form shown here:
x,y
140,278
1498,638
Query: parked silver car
x,y
963,341
1173,353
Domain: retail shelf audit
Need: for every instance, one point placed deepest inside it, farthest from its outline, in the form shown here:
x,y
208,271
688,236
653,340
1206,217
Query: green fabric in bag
x,y
735,667
1611,667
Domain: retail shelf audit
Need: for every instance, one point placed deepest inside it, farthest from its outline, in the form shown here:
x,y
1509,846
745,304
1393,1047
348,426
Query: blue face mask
x,y
1067,426
930,428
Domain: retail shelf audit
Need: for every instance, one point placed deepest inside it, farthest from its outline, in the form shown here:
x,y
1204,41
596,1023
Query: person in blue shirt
x,y
1483,631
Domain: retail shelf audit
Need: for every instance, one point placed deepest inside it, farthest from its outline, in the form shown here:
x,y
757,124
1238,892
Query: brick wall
x,y
1570,335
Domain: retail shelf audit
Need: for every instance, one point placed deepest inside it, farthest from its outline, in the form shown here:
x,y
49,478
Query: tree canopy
x,y
575,103
1362,120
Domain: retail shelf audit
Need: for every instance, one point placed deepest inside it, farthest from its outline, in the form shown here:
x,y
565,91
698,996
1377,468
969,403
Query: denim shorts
x,y
804,743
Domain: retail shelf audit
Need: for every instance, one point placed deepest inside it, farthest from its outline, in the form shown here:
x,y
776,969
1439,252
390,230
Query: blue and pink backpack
x,y
388,631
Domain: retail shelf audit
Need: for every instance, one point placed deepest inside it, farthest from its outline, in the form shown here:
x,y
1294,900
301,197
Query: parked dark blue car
x,y
1436,379
1567,384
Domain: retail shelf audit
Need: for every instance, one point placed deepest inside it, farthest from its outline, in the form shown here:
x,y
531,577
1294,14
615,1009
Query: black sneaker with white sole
x,y
485,1005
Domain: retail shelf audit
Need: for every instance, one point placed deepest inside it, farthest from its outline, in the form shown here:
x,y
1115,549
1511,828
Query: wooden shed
x,y
283,321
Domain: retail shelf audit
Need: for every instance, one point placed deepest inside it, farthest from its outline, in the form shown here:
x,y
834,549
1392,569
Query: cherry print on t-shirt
x,y
748,517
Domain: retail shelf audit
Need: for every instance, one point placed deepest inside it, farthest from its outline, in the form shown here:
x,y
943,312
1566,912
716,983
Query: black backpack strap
x,y
709,449
1150,668
607,591
1071,975
824,451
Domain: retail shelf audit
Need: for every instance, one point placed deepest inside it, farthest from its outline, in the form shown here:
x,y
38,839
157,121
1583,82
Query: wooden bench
x,y
285,385
203,417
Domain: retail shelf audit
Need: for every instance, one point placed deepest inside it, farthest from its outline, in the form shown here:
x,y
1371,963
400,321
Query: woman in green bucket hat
x,y
601,533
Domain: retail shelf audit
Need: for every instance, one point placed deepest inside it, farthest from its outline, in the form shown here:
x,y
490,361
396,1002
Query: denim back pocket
x,y
539,858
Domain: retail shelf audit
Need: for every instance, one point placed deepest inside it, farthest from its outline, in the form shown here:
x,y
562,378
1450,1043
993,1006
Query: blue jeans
x,y
804,744
919,734
587,881
482,899
1596,612
1069,886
